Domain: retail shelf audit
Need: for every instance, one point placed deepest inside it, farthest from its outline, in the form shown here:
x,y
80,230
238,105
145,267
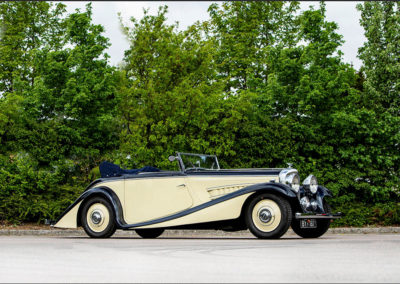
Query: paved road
x,y
332,258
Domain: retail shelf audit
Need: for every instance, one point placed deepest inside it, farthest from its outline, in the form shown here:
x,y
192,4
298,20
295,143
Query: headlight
x,y
311,183
294,181
291,178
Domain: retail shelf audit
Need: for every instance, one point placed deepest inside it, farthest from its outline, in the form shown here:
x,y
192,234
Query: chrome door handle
x,y
181,185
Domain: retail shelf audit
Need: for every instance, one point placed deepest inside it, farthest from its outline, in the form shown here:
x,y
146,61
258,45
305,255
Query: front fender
x,y
70,217
271,187
277,188
323,192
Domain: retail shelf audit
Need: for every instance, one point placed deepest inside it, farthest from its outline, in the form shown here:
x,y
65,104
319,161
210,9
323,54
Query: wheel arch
x,y
109,195
277,189
70,218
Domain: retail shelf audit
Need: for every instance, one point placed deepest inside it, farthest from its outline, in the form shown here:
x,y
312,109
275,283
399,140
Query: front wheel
x,y
322,226
268,216
98,218
149,233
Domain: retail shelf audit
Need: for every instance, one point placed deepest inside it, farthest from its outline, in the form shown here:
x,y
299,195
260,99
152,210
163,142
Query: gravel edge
x,y
183,233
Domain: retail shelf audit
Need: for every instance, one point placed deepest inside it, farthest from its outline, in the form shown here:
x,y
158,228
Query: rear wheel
x,y
98,218
149,233
268,216
322,226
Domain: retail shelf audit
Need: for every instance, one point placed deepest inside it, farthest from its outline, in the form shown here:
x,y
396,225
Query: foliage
x,y
244,32
26,27
73,98
28,193
170,100
260,84
381,59
362,214
61,112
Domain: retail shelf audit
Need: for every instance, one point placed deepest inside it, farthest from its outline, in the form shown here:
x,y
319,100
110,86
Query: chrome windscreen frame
x,y
182,165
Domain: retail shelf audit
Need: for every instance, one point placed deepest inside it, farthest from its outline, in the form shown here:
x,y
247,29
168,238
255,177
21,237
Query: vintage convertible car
x,y
201,196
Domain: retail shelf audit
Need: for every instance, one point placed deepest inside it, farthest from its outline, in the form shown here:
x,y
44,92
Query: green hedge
x,y
29,194
358,214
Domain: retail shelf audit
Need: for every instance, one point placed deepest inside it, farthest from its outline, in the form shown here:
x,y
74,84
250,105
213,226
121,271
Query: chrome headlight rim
x,y
290,177
293,180
311,183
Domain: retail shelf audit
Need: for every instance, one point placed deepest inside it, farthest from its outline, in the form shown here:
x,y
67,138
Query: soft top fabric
x,y
108,169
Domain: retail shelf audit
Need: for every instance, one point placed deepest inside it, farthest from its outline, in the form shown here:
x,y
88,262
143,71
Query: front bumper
x,y
318,216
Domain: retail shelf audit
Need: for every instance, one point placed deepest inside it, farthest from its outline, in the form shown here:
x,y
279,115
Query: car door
x,y
153,197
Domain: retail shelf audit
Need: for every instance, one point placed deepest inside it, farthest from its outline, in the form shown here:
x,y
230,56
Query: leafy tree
x,y
71,107
380,54
57,120
170,100
243,32
25,28
10,110
381,66
303,111
314,93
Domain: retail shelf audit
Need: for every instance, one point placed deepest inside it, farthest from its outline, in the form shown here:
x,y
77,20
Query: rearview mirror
x,y
171,158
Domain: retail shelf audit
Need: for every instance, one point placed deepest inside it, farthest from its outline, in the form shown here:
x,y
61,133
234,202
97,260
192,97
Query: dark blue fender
x,y
99,191
272,187
321,194
323,191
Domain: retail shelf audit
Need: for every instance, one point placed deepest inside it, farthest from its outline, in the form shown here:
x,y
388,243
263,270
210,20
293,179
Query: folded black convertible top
x,y
108,169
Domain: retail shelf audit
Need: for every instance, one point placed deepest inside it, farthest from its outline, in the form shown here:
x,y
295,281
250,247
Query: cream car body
x,y
194,197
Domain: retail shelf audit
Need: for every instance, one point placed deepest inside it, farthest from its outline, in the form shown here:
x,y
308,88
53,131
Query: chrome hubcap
x,y
97,217
264,215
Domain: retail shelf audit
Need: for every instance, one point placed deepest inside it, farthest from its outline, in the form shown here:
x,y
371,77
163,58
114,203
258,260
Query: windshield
x,y
198,161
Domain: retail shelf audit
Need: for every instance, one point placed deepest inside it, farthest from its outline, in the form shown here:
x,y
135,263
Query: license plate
x,y
308,223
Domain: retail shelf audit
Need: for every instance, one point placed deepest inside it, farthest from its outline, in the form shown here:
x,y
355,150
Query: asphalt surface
x,y
201,258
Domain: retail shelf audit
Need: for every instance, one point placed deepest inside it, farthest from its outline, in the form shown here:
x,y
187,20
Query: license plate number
x,y
308,223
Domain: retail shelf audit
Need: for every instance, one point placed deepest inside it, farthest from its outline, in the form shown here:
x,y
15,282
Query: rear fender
x,y
71,216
